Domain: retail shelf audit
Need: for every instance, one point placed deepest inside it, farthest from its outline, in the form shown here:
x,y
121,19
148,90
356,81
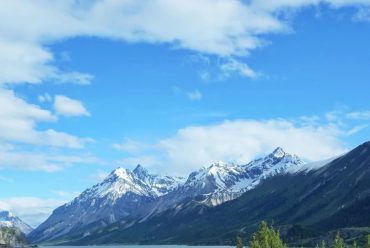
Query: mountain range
x,y
216,203
139,195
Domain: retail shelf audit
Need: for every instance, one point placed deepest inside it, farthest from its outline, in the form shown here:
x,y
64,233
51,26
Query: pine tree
x,y
338,242
266,237
239,242
323,245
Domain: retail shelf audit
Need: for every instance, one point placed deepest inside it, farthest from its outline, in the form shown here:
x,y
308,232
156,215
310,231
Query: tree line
x,y
269,237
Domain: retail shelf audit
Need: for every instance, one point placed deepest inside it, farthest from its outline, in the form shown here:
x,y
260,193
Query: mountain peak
x,y
5,214
139,167
218,164
278,152
7,219
140,170
119,172
142,173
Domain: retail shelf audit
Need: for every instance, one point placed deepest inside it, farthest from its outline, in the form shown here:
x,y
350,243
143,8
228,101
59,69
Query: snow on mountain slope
x,y
118,196
7,219
139,195
313,165
221,182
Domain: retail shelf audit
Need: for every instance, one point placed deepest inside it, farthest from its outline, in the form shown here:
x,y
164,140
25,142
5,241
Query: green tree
x,y
323,245
368,241
266,237
338,241
239,242
354,244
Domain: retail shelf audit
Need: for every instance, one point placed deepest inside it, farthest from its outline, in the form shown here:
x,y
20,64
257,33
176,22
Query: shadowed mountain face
x,y
118,196
136,196
334,196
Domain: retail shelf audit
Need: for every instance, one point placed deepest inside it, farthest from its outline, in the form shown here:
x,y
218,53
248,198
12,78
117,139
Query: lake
x,y
140,246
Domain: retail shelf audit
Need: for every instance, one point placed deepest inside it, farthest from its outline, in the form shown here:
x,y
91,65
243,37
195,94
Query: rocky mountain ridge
x,y
138,195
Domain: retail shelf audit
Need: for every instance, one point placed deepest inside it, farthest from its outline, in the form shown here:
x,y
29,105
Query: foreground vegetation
x,y
269,237
11,237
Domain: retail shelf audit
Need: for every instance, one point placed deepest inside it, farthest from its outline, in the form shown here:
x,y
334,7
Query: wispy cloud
x,y
66,194
44,98
99,176
232,66
48,160
130,146
69,107
74,77
32,210
362,15
359,115
194,95
6,179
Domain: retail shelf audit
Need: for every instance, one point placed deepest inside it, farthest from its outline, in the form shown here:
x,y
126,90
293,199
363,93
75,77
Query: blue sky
x,y
173,86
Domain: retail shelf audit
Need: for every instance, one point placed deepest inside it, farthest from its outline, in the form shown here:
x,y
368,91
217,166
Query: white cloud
x,y
356,129
359,115
362,15
226,28
74,77
195,95
311,138
44,98
232,66
66,194
13,107
23,61
32,210
204,76
69,107
130,145
48,160
240,141
18,121
24,146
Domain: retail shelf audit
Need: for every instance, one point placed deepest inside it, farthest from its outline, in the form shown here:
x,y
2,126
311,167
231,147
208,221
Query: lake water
x,y
140,246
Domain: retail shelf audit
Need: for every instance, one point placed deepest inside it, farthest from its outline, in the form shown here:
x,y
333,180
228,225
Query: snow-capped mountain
x,y
7,219
118,196
221,182
328,196
132,196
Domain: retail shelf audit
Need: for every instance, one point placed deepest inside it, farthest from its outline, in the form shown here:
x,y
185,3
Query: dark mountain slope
x,y
334,196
